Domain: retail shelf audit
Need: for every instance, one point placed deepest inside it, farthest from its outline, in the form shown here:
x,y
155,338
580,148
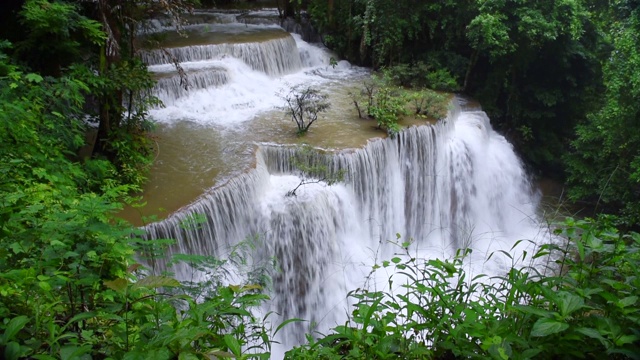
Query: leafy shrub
x,y
441,79
303,104
429,103
384,103
583,304
70,286
312,171
387,107
421,75
387,103
98,303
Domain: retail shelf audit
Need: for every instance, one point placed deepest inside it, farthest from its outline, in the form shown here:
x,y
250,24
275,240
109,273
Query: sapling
x,y
304,103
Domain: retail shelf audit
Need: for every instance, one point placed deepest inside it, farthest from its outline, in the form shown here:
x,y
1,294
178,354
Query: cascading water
x,y
455,184
271,56
171,87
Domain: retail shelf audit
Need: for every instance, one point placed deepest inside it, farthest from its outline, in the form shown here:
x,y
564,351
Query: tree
x,y
528,63
604,166
70,285
96,41
534,70
382,33
304,104
124,94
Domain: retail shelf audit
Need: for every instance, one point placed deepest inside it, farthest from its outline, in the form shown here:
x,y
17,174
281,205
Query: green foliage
x,y
528,63
128,315
605,164
384,32
387,106
311,164
415,82
534,63
384,103
58,30
128,145
582,304
340,23
70,286
502,29
388,103
421,75
429,104
98,62
303,105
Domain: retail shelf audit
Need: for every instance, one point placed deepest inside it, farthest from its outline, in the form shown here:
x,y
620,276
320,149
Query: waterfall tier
x,y
276,56
270,17
173,86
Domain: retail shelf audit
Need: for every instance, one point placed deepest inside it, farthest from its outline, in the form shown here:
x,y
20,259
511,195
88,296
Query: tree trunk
x,y
330,12
289,10
472,64
110,101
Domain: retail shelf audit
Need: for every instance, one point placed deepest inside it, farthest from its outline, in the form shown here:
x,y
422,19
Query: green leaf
x,y
594,334
154,281
626,339
33,78
12,351
284,323
628,301
15,325
233,344
74,352
491,341
580,246
135,355
187,356
530,353
546,327
119,285
220,354
82,316
16,248
569,303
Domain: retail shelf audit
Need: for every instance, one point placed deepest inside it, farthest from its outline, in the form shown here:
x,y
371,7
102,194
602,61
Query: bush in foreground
x,y
583,304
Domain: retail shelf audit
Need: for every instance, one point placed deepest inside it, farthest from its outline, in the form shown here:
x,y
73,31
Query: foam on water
x,y
247,87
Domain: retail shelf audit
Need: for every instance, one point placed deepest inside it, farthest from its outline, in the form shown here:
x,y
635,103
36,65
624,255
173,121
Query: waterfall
x,y
455,184
170,88
273,57
442,187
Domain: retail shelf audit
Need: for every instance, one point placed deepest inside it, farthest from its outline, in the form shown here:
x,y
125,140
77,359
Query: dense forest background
x,y
558,78
561,79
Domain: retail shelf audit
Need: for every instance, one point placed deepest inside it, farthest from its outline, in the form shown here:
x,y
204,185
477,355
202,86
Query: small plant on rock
x,y
385,103
304,104
429,104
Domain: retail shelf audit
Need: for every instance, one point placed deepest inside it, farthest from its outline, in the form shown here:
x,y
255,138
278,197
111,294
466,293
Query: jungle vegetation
x,y
561,79
558,78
